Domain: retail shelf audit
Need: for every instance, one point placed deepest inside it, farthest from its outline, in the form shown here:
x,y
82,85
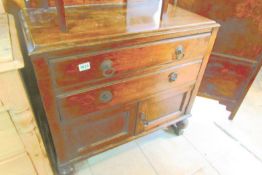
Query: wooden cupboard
x,y
119,72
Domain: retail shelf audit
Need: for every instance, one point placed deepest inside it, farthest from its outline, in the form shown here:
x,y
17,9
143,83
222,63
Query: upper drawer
x,y
68,71
75,104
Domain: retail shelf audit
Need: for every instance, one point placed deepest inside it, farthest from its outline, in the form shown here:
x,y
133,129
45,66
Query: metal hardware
x,y
180,126
107,69
143,118
105,96
180,52
172,77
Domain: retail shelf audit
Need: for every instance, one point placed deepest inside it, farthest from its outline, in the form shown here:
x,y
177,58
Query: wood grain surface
x,y
127,60
76,104
87,110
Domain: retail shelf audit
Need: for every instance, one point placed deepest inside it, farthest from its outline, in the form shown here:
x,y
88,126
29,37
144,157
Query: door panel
x,y
161,108
95,131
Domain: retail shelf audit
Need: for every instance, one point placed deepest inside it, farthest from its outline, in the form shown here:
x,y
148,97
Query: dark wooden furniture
x,y
237,55
119,72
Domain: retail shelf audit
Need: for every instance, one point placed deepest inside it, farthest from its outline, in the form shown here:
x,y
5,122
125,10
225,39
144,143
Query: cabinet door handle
x,y
107,68
173,77
143,118
180,52
105,96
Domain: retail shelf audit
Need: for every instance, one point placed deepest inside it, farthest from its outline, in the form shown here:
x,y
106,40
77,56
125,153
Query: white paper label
x,y
84,66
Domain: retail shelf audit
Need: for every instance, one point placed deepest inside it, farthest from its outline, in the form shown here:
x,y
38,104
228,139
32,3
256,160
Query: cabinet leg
x,y
180,126
66,170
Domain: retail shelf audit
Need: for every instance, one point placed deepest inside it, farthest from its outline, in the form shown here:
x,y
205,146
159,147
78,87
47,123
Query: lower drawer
x,y
19,165
80,103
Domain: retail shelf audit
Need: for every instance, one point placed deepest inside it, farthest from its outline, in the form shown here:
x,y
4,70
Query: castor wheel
x,y
180,126
66,170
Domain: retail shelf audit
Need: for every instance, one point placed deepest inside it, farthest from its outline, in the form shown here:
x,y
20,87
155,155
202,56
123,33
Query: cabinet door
x,y
162,108
97,131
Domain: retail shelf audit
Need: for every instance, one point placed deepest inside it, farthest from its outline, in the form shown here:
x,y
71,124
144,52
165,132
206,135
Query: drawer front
x,y
70,71
97,130
162,107
79,104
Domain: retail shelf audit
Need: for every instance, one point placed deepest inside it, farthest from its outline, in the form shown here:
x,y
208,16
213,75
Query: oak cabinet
x,y
103,84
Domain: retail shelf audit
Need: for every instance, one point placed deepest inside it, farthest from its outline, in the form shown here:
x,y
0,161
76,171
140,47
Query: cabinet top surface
x,y
94,23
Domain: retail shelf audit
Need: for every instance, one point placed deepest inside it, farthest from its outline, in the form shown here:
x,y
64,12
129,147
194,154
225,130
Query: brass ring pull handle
x,y
105,96
107,68
180,52
172,77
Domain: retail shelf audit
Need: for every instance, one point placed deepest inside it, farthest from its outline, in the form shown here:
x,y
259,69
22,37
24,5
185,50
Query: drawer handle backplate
x,y
173,77
107,68
180,52
105,96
